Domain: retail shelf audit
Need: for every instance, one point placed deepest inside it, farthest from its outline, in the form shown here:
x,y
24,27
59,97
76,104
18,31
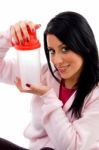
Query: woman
x,y
66,106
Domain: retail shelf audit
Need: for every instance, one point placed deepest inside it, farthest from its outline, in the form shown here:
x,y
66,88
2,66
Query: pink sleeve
x,y
44,74
78,135
35,127
5,39
8,69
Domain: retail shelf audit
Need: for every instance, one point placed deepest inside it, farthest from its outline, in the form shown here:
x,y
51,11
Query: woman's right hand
x,y
20,28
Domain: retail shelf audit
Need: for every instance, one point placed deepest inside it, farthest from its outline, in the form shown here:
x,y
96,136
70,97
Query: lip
x,y
62,69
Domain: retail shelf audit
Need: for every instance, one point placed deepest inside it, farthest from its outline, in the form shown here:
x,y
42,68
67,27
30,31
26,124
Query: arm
x,y
48,115
80,134
7,71
8,67
5,39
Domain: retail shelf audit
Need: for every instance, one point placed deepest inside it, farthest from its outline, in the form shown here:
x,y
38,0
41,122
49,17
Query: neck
x,y
70,84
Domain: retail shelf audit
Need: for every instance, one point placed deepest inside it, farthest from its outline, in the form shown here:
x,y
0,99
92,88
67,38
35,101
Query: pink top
x,y
52,124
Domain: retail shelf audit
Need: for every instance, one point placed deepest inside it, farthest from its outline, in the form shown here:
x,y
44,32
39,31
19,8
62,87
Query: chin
x,y
66,76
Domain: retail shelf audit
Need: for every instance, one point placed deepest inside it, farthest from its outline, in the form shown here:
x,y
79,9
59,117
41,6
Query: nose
x,y
57,59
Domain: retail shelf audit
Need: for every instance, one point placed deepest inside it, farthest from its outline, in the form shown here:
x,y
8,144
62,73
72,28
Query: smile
x,y
63,69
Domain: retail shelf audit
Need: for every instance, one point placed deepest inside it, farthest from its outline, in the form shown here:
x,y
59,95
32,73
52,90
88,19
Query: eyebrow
x,y
60,45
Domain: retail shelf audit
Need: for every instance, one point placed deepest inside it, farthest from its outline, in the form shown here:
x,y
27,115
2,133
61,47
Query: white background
x,y
14,106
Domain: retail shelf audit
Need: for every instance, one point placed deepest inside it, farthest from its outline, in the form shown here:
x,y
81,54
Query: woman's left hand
x,y
34,89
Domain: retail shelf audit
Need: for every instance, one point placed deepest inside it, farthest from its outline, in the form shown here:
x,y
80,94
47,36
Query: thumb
x,y
39,90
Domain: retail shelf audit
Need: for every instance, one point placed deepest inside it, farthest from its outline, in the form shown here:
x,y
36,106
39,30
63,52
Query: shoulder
x,y
5,40
93,96
5,35
95,92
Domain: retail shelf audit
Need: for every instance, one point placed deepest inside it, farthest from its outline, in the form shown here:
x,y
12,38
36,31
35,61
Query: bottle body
x,y
28,59
29,66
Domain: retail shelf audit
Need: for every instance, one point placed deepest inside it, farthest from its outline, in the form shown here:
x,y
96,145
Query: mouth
x,y
63,69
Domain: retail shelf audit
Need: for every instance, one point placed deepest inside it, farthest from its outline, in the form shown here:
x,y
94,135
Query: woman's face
x,y
68,63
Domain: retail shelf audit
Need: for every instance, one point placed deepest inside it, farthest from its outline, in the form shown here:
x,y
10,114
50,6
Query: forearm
x,y
8,66
5,43
66,134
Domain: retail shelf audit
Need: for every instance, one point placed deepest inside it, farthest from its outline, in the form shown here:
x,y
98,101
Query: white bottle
x,y
28,56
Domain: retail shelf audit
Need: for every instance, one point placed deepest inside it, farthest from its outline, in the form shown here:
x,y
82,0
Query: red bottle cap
x,y
32,44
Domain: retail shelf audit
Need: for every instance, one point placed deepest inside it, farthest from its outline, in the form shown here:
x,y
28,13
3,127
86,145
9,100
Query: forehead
x,y
52,40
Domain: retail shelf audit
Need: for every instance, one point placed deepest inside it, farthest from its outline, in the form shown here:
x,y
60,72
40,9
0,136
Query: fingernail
x,y
22,42
28,85
38,26
17,43
33,30
27,39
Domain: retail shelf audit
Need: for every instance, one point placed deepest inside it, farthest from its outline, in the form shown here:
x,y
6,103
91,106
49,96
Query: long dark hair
x,y
73,30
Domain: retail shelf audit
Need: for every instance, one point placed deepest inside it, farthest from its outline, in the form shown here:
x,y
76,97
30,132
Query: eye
x,y
51,51
65,49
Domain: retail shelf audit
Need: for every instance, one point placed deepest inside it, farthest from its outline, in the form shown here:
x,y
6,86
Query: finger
x,y
38,90
13,35
32,26
19,86
18,32
18,82
24,30
37,26
33,88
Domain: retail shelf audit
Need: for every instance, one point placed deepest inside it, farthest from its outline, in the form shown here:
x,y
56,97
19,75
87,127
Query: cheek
x,y
74,58
74,61
77,63
52,59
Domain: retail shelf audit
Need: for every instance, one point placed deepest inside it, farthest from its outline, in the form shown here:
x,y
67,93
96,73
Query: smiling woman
x,y
15,106
66,101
